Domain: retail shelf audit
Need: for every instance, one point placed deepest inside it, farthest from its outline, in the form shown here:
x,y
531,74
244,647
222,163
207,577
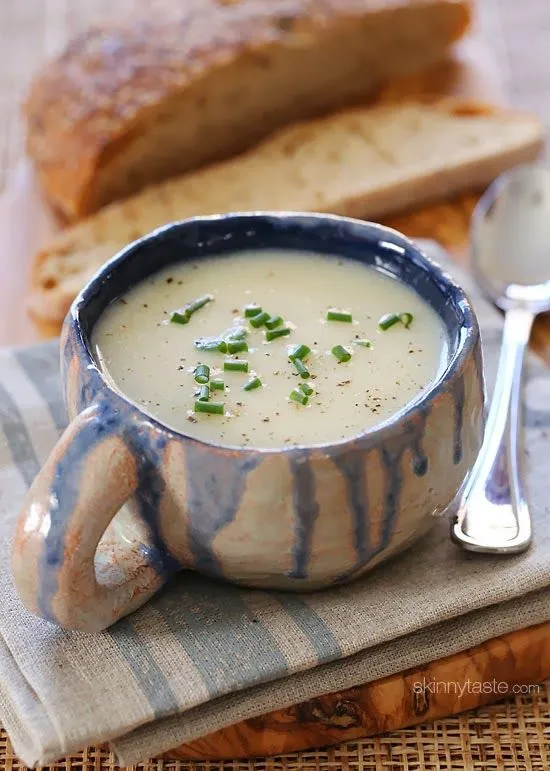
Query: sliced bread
x,y
155,94
362,163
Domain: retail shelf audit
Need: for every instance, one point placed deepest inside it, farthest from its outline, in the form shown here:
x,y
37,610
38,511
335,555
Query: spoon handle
x,y
493,515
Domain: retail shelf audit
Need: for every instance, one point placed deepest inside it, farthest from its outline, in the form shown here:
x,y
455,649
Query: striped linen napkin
x,y
203,655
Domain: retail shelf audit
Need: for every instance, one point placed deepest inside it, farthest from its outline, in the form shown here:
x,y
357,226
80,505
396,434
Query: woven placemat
x,y
512,735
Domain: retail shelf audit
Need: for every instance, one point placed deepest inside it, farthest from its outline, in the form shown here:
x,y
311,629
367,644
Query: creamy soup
x,y
336,348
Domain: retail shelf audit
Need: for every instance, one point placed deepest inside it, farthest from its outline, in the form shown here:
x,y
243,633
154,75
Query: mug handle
x,y
89,475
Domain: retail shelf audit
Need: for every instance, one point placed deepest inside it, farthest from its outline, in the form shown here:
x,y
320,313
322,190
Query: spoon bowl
x,y
510,236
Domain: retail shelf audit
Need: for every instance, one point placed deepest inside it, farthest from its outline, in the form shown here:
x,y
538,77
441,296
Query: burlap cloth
x,y
514,735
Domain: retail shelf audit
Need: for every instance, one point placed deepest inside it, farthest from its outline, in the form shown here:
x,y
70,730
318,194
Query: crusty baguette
x,y
363,163
159,93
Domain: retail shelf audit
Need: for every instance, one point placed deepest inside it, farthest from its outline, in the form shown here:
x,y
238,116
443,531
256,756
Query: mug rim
x,y
380,432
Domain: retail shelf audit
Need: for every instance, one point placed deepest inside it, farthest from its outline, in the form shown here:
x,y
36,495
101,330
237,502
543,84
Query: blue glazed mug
x,y
123,501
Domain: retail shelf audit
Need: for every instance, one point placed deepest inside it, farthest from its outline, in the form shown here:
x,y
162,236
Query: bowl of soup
x,y
279,400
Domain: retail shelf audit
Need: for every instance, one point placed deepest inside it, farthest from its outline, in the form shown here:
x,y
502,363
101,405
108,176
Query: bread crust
x,y
61,269
86,105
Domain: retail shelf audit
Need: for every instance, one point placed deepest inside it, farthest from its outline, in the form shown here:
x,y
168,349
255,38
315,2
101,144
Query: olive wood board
x,y
519,658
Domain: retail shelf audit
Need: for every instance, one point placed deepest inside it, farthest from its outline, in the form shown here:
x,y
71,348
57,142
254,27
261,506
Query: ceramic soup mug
x,y
125,500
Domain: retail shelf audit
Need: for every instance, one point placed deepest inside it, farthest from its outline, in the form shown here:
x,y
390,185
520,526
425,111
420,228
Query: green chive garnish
x,y
204,394
211,344
259,319
179,318
199,303
306,388
341,353
389,320
301,367
395,318
252,384
273,334
217,385
296,395
235,366
363,343
235,333
182,315
252,310
335,315
236,346
299,352
211,407
202,373
274,321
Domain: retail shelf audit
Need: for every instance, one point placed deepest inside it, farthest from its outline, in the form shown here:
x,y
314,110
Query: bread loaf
x,y
159,93
363,163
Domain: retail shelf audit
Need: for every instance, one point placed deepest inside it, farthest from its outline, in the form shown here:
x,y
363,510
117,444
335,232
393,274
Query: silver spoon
x,y
511,263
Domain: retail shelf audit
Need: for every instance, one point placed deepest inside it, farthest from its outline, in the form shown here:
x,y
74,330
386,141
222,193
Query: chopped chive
x,y
252,384
306,388
199,303
235,366
259,319
236,346
335,315
182,315
179,318
202,373
363,343
341,353
235,333
211,344
389,320
252,310
296,395
406,319
395,318
301,367
204,394
213,408
217,385
273,334
274,321
299,352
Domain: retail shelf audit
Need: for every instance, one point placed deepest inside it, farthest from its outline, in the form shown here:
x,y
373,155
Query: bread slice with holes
x,y
362,163
158,93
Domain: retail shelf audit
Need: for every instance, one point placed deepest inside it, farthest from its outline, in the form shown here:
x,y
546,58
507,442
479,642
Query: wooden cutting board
x,y
518,659
514,661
